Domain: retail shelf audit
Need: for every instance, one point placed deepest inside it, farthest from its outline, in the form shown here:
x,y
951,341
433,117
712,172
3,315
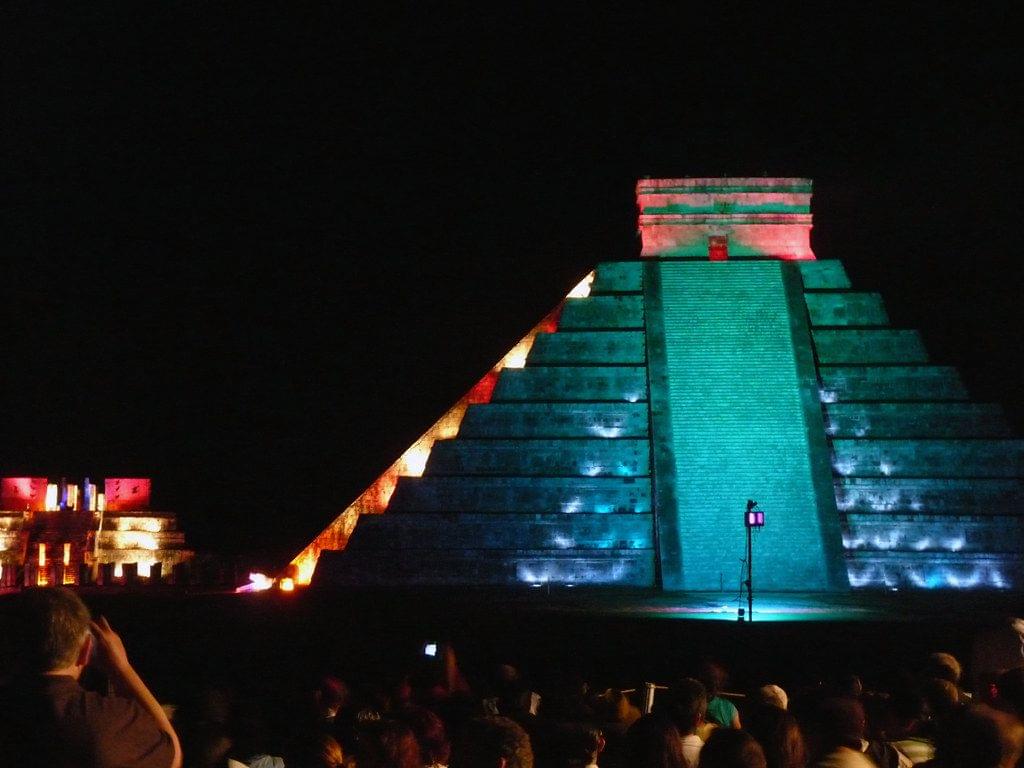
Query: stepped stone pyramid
x,y
618,442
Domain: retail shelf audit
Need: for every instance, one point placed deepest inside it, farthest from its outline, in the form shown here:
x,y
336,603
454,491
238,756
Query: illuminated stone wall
x,y
761,217
846,309
617,444
141,538
904,383
905,419
604,312
596,383
581,420
488,494
548,482
65,533
376,499
836,346
13,545
589,347
928,484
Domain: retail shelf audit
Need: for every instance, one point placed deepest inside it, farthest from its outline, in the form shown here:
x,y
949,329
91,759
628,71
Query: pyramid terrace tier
x,y
929,458
527,495
727,364
573,458
572,383
928,570
909,496
488,567
921,533
915,420
555,420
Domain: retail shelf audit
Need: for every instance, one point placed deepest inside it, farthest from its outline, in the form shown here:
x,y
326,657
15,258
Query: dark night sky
x,y
253,255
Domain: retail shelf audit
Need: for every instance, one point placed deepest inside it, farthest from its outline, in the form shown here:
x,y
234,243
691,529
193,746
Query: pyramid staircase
x,y
617,443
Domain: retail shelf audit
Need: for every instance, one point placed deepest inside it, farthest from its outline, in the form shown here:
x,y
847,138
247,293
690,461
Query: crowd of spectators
x,y
72,698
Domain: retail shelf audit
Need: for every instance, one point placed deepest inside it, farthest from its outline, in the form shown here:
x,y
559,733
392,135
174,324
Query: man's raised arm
x,y
113,658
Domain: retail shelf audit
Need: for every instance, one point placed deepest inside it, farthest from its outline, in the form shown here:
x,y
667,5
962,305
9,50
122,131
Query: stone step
x,y
846,309
475,567
922,495
563,495
555,420
439,531
615,384
901,382
866,347
915,420
590,458
588,348
928,458
626,311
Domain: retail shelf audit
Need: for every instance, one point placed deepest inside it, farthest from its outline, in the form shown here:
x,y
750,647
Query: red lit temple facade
x,y
81,533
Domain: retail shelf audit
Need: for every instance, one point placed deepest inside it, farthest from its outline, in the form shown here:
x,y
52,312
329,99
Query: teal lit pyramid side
x,y
727,364
928,484
548,482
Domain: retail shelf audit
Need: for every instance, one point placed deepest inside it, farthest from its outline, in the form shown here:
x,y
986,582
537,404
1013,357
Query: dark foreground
x,y
276,641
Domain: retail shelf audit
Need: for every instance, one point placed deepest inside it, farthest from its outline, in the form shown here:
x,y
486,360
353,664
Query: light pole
x,y
754,518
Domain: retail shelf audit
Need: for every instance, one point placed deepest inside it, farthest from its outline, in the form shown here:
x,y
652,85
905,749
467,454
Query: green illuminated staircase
x,y
625,449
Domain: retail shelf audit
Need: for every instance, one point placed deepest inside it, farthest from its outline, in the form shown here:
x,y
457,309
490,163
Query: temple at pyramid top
x,y
618,443
725,218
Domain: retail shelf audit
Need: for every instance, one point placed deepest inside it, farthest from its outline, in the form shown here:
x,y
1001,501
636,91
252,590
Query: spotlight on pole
x,y
755,517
